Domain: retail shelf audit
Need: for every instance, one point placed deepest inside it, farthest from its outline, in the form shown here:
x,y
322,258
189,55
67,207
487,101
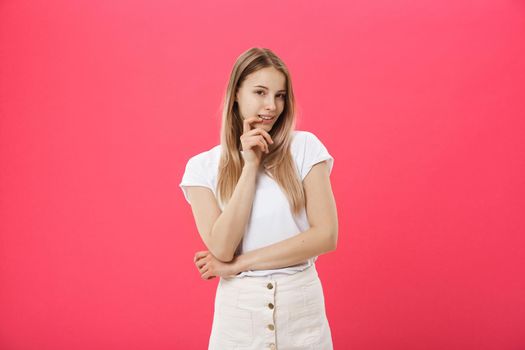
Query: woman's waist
x,y
309,274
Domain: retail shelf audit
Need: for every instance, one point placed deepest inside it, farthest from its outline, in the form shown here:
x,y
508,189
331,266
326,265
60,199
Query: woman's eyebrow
x,y
267,88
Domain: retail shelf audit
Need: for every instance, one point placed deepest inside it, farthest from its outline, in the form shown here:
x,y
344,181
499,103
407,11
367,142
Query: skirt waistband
x,y
284,281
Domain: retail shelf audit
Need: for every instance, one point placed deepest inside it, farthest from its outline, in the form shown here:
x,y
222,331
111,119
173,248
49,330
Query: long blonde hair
x,y
279,163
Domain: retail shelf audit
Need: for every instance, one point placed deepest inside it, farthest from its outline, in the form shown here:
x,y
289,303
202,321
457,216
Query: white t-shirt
x,y
271,217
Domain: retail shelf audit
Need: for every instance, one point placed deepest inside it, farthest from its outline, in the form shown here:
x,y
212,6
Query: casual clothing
x,y
271,217
272,309
284,312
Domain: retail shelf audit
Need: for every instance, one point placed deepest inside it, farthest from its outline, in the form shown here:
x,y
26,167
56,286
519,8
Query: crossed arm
x,y
320,238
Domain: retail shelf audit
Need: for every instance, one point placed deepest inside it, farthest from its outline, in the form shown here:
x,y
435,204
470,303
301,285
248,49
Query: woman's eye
x,y
280,95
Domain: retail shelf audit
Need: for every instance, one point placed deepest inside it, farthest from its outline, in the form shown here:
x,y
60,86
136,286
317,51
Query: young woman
x,y
264,207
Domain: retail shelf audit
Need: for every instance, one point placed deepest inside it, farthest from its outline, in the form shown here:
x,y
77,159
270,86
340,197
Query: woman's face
x,y
262,93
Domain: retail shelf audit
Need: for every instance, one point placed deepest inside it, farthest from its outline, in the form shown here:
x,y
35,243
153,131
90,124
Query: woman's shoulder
x,y
303,135
207,157
300,138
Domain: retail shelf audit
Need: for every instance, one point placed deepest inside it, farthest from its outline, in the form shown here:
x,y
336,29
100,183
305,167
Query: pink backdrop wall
x,y
421,103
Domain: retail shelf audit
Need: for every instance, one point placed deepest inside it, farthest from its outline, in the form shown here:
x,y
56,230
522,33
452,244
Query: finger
x,y
260,131
205,275
200,263
248,121
255,143
200,254
203,268
209,273
260,141
264,146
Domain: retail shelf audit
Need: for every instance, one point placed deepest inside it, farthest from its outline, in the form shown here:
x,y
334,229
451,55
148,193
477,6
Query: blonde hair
x,y
278,164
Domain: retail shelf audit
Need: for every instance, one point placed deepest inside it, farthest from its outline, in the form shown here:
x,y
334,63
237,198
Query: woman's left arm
x,y
320,238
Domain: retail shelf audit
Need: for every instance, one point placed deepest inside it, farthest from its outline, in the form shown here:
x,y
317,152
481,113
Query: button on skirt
x,y
277,312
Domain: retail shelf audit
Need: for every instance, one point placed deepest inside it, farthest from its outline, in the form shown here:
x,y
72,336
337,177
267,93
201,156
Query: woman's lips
x,y
266,121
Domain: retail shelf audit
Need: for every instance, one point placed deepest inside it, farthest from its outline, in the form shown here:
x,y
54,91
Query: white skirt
x,y
277,312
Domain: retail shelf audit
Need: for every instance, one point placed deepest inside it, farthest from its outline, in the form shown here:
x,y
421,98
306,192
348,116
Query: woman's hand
x,y
210,267
254,141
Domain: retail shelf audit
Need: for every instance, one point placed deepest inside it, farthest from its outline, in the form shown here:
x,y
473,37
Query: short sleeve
x,y
194,175
314,152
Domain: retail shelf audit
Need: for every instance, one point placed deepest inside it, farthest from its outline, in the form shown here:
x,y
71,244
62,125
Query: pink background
x,y
421,103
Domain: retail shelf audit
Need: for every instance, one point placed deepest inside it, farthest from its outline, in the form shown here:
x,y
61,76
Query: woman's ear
x,y
237,93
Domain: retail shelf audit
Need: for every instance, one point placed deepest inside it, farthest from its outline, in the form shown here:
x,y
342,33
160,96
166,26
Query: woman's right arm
x,y
223,232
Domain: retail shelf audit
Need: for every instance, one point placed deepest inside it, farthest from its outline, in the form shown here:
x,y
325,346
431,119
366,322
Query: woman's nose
x,y
270,103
